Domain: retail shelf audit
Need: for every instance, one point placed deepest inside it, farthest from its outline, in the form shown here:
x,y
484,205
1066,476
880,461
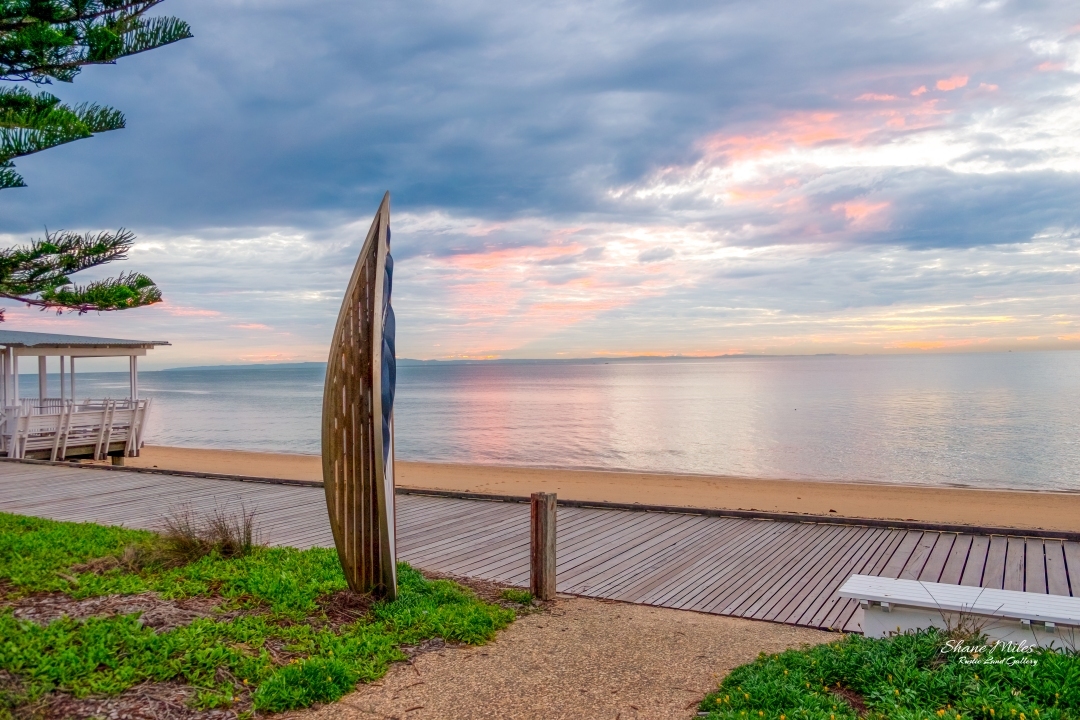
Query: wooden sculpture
x,y
358,420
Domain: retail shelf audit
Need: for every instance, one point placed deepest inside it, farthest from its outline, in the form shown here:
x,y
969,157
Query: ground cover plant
x,y
906,677
88,611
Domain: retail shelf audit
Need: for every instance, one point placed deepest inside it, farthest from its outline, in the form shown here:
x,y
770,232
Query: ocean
x,y
1004,420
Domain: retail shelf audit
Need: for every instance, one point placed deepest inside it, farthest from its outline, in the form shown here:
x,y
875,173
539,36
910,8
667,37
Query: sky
x,y
583,179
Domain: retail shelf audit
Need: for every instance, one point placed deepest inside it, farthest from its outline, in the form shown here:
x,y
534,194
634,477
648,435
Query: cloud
x,y
655,254
588,178
953,83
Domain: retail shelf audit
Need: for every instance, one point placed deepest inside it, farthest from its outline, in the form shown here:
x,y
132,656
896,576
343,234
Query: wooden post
x,y
542,555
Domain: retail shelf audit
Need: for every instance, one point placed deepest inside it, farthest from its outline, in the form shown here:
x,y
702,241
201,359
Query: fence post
x,y
542,555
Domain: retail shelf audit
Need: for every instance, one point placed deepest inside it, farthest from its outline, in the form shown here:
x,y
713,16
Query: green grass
x,y
227,659
902,678
516,595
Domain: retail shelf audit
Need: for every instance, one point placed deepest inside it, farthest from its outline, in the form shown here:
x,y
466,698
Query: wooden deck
x,y
765,569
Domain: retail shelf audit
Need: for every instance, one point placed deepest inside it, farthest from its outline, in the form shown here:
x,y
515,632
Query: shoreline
x,y
1029,510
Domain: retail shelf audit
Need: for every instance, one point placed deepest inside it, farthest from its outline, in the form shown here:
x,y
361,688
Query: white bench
x,y
893,606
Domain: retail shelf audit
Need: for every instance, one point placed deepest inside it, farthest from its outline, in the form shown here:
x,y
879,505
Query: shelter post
x,y
133,377
5,372
42,377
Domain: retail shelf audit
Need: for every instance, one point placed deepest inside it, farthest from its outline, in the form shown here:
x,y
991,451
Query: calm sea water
x,y
991,420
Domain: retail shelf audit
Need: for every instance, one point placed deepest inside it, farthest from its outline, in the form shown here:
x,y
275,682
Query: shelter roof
x,y
20,338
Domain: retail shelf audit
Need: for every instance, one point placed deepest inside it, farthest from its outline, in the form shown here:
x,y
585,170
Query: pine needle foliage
x,y
42,41
46,40
37,274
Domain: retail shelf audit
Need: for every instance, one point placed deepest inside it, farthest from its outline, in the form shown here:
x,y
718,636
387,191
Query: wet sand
x,y
998,508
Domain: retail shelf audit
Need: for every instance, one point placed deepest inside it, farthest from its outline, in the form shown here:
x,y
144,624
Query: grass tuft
x,y
304,683
515,595
186,537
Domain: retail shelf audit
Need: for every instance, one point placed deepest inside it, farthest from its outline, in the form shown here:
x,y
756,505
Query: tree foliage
x,y
37,274
42,41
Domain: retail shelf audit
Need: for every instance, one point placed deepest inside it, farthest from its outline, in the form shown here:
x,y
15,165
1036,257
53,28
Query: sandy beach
x,y
999,508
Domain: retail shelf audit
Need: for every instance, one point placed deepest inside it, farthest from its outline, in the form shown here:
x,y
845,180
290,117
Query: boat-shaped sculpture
x,y
358,420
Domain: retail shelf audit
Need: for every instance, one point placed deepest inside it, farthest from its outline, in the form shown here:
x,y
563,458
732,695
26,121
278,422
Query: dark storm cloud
x,y
302,113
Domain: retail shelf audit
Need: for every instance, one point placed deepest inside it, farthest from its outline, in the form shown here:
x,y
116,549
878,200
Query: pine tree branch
x,y
31,123
9,178
37,274
14,20
52,44
44,264
127,291
45,40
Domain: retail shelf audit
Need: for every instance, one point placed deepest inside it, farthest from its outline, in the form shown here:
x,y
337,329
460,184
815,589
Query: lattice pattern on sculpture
x,y
358,421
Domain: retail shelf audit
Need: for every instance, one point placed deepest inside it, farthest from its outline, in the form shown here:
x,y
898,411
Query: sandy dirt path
x,y
581,660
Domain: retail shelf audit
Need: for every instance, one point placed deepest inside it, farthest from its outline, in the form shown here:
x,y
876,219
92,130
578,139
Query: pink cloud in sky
x,y
988,86
251,326
921,90
861,214
809,129
875,97
953,83
1049,66
936,344
495,301
181,311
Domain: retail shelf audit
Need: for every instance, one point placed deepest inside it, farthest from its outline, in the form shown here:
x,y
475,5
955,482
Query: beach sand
x,y
998,508
580,660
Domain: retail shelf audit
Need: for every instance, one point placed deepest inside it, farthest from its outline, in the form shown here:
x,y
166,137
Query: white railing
x,y
63,427
54,406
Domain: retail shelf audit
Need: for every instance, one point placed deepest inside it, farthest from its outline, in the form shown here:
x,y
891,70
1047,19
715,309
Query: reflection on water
x,y
1006,420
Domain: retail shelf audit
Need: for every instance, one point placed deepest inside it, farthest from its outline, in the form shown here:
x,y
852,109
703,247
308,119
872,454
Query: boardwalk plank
x,y
826,602
953,569
976,562
747,571
697,577
796,578
900,557
1014,564
1034,566
1057,579
764,538
1072,565
841,612
821,583
717,535
935,562
775,571
994,573
919,556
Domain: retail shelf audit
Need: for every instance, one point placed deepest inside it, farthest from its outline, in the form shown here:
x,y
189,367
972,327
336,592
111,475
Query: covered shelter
x,y
55,423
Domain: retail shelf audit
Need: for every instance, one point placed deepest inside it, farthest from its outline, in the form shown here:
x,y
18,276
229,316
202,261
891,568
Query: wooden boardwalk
x,y
765,569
